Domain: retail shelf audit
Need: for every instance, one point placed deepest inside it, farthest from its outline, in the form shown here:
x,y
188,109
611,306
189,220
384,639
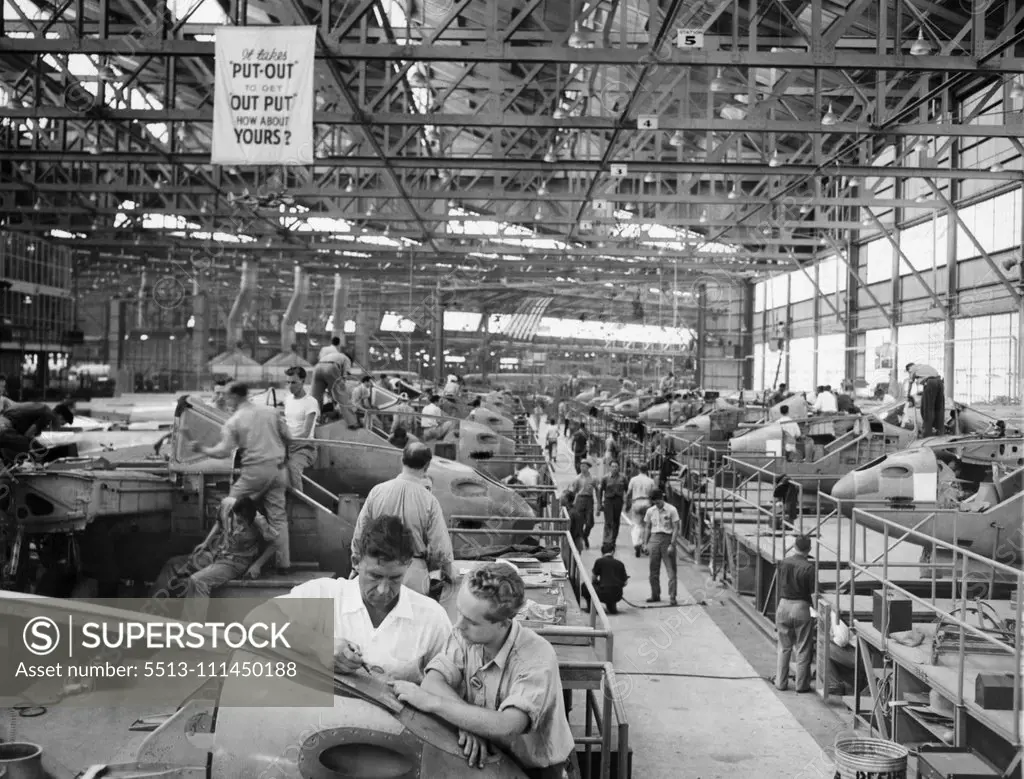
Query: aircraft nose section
x,y
846,487
755,440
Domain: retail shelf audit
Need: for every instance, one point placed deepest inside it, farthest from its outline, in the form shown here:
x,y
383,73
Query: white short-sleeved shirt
x,y
415,631
296,410
826,403
430,415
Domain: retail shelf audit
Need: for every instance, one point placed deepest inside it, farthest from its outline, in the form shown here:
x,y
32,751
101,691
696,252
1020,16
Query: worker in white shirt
x,y
933,397
663,524
638,500
790,433
668,384
525,474
431,419
825,402
300,413
379,625
362,397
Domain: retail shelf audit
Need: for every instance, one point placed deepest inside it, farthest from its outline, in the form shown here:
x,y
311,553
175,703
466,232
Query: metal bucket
x,y
21,760
869,758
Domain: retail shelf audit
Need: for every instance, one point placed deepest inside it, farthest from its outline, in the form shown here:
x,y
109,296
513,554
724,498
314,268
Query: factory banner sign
x,y
263,100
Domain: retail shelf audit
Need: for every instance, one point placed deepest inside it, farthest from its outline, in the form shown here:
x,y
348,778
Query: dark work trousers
x,y
582,520
609,596
612,514
662,551
933,407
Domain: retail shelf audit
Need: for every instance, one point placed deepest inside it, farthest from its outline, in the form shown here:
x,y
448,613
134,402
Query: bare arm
x,y
307,430
224,448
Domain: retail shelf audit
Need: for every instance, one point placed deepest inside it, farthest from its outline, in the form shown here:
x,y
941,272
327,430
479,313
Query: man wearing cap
x,y
933,397
584,492
402,414
662,523
612,494
793,621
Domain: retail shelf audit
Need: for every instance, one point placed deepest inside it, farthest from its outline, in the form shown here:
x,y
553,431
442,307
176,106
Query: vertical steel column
x,y
1020,317
952,307
702,325
200,331
816,304
747,341
787,329
438,340
852,325
485,343
894,307
338,306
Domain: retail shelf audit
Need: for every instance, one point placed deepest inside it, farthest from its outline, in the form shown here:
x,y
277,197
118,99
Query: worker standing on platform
x,y
408,496
663,523
260,432
300,413
668,384
612,493
402,414
779,395
933,397
362,397
825,401
332,365
498,681
793,619
638,500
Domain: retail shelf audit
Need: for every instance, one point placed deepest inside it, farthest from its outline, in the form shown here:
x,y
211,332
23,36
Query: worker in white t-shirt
x,y
431,418
300,413
790,432
825,401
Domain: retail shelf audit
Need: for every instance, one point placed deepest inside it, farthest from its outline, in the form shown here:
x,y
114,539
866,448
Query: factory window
x,y
831,276
462,321
801,285
831,359
921,343
879,260
995,223
759,292
924,245
801,370
986,359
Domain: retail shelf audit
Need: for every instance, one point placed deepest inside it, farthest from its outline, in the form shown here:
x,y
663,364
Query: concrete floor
x,y
696,681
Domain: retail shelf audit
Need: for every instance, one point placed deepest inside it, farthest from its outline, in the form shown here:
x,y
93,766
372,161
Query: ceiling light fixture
x,y
542,190
733,193
920,47
558,114
650,178
717,83
867,221
774,161
549,156
581,37
830,117
921,146
538,214
1016,91
922,198
703,217
676,140
997,167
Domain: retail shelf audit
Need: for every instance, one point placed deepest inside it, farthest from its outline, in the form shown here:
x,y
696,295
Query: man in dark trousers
x,y
612,494
933,397
609,579
580,444
793,620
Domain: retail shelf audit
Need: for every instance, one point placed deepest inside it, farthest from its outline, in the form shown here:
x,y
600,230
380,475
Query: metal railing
x,y
958,567
605,709
579,581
